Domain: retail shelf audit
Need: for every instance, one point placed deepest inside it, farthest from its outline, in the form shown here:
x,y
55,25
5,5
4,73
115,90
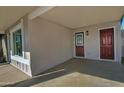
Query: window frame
x,y
17,27
15,43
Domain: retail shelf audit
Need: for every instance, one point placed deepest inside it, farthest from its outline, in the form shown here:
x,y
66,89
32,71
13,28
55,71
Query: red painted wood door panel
x,y
80,51
107,43
79,44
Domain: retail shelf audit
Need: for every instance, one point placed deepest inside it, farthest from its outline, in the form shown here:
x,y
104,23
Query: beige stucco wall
x,y
51,44
92,46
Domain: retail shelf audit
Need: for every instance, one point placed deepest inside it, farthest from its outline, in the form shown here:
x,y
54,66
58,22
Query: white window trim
x,y
15,28
18,58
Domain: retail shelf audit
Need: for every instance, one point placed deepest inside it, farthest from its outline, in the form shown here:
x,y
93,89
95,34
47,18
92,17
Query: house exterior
x,y
49,36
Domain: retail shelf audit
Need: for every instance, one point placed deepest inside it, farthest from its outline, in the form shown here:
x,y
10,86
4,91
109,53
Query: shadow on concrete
x,y
39,78
103,69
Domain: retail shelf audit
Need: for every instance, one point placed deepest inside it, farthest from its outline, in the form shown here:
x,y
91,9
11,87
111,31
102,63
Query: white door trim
x,y
114,42
75,43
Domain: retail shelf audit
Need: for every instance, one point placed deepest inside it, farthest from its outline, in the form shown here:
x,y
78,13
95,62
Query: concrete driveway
x,y
79,73
10,75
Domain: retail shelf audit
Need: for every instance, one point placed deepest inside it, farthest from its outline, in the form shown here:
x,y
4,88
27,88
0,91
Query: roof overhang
x,y
39,11
80,16
10,14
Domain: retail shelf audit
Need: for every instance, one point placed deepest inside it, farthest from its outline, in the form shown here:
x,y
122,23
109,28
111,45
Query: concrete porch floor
x,y
79,73
10,75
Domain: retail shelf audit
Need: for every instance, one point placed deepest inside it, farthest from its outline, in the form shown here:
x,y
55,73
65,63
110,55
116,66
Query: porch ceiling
x,y
10,14
74,17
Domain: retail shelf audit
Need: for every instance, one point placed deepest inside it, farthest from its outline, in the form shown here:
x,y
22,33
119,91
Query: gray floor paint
x,y
79,73
10,75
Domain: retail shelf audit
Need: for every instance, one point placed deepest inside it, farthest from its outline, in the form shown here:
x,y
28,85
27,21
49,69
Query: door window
x,y
80,39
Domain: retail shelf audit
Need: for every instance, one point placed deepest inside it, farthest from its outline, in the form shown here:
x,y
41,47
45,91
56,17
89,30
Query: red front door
x,y
107,43
79,44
